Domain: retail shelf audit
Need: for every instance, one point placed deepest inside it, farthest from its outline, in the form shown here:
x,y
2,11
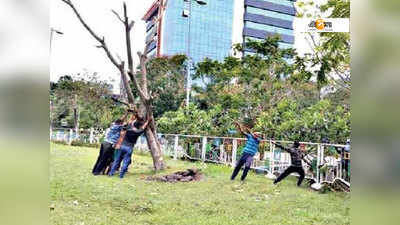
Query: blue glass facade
x,y
264,18
210,28
204,28
152,26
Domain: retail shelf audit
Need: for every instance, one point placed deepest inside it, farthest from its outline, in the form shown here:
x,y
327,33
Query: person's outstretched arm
x,y
123,118
240,128
280,146
145,124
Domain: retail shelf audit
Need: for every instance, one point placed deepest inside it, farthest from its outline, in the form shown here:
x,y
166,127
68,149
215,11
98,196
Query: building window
x,y
185,13
268,28
282,2
268,13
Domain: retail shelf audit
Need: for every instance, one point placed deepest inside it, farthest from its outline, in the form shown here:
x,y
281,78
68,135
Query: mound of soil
x,y
180,176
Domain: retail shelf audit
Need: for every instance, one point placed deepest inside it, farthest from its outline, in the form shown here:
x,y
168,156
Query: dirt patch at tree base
x,y
180,176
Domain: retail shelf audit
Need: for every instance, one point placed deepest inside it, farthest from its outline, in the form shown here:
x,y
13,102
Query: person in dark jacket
x,y
107,146
125,144
296,156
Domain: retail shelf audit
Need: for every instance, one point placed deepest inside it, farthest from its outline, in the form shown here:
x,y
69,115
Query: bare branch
x,y
125,82
100,40
142,94
143,62
118,16
344,86
67,1
119,58
131,25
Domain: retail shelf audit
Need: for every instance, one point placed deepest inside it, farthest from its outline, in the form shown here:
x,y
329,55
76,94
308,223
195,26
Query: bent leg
x,y
126,162
95,170
249,161
117,161
106,156
300,170
285,173
239,165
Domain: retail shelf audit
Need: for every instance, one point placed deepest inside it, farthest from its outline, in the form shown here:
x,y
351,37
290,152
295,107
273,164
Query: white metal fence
x,y
68,135
326,162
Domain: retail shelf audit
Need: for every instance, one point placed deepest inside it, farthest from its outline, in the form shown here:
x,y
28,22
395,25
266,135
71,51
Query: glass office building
x,y
209,28
198,28
269,17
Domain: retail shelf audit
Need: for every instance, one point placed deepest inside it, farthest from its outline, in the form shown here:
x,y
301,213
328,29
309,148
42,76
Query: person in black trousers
x,y
106,153
296,166
250,149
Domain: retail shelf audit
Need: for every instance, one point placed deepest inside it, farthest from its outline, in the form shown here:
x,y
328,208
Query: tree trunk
x,y
151,132
155,149
152,140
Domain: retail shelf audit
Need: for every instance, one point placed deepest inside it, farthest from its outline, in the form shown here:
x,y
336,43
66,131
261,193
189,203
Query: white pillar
x,y
71,132
221,152
265,154
176,147
318,161
59,138
203,149
234,151
91,137
272,158
322,161
340,167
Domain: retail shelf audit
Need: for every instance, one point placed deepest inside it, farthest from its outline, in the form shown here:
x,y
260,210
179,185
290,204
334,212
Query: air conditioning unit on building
x,y
185,13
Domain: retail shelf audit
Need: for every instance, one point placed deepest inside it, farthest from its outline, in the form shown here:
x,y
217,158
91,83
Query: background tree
x,y
271,90
89,94
330,60
166,76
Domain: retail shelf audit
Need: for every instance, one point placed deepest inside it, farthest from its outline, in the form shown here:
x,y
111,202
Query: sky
x,y
74,51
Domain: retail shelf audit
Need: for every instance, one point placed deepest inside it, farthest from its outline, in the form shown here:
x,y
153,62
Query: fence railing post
x,y
71,133
176,147
318,161
59,138
272,156
265,154
321,161
203,149
91,136
221,152
340,166
234,152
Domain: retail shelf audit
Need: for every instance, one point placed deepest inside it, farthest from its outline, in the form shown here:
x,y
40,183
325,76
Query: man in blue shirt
x,y
107,147
131,132
250,149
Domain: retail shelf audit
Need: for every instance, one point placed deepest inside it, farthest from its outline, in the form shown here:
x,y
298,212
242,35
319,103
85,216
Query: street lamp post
x,y
52,30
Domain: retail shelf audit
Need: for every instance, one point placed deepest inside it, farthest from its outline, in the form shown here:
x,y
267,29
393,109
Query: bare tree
x,y
140,85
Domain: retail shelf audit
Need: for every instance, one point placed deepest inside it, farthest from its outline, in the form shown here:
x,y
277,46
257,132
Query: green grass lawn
x,y
82,199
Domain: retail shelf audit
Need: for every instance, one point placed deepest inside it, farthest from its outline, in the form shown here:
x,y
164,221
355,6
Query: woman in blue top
x,y
250,149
